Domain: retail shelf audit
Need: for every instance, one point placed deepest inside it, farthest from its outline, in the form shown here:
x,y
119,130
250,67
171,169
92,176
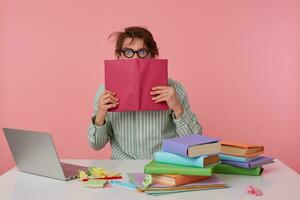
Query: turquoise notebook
x,y
171,158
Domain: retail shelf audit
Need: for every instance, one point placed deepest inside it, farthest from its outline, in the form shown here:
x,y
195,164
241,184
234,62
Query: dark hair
x,y
135,32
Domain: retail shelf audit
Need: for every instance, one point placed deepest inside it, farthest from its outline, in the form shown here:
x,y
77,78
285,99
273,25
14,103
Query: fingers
x,y
106,96
108,93
161,99
157,92
161,92
160,96
160,87
108,106
108,100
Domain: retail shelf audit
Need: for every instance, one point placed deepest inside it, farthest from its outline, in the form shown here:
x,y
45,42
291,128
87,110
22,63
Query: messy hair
x,y
135,32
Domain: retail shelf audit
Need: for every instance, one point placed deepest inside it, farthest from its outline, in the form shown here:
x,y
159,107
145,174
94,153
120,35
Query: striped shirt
x,y
138,134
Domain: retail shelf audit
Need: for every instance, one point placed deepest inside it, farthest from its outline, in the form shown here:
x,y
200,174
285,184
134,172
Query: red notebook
x,y
132,81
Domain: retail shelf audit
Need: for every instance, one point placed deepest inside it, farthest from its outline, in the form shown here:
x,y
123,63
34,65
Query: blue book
x,y
193,145
237,158
262,160
171,158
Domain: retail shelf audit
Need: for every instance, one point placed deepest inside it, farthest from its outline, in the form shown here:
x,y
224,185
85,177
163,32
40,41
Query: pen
x,y
107,178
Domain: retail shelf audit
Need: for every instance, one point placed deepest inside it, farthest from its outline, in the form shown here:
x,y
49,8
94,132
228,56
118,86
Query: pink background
x,y
238,60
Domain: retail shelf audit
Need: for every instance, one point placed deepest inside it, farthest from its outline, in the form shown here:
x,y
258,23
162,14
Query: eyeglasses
x,y
129,53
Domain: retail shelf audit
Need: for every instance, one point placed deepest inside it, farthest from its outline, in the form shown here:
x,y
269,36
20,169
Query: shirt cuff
x,y
180,121
102,128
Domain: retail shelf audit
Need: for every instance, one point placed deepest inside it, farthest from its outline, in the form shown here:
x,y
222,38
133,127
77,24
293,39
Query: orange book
x,y
176,180
243,150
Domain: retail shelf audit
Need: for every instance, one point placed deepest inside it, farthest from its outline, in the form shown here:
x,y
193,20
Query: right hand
x,y
106,101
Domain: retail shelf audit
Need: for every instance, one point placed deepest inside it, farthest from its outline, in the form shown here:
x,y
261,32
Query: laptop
x,y
35,153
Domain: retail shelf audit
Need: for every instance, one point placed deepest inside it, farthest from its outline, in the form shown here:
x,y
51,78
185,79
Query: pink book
x,y
132,81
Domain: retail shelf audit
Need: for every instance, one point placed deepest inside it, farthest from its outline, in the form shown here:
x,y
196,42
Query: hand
x,y
168,94
106,101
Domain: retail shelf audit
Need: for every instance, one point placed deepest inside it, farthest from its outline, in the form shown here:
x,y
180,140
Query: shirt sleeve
x,y
187,123
98,136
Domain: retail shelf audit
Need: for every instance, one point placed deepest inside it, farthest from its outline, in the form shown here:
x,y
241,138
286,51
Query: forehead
x,y
136,44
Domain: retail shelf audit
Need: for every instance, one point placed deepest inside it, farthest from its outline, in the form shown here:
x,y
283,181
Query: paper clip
x,y
123,184
254,191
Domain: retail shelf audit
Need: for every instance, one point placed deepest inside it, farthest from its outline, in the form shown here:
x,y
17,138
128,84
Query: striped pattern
x,y
138,134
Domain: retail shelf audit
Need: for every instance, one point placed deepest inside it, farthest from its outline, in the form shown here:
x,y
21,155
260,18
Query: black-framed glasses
x,y
129,53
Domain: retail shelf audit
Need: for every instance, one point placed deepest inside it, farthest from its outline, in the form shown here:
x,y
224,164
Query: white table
x,y
277,182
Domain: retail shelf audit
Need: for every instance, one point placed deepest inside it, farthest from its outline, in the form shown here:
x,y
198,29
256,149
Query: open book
x,y
132,81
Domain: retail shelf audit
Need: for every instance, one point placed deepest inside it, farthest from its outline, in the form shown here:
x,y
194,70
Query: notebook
x,y
171,158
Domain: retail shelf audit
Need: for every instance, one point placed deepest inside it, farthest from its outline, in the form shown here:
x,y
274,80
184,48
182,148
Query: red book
x,y
132,81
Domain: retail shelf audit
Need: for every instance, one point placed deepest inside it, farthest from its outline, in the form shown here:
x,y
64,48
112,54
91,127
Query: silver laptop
x,y
35,153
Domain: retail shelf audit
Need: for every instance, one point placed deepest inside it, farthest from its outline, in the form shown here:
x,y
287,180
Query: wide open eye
x,y
128,52
142,53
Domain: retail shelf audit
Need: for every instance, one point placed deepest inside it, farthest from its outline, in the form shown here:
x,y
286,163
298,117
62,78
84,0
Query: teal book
x,y
160,168
228,169
171,158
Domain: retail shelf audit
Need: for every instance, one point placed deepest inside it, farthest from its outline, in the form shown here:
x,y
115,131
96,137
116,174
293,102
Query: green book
x,y
159,168
228,169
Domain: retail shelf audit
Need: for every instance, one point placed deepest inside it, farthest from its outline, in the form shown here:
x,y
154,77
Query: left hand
x,y
168,94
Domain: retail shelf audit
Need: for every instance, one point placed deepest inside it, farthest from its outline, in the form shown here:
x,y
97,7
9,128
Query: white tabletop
x,y
278,181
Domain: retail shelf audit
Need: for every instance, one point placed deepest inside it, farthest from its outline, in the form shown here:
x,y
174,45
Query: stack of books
x,y
242,159
184,164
